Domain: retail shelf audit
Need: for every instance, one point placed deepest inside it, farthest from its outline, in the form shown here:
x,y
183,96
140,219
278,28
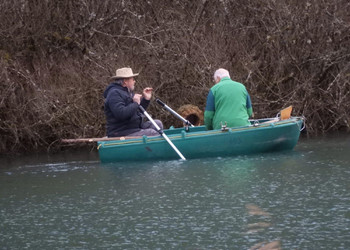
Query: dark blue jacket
x,y
122,113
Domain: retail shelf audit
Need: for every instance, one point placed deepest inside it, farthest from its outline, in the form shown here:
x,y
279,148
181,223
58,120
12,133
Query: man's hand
x,y
137,98
147,93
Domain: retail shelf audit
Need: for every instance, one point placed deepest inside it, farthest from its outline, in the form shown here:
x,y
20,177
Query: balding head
x,y
221,73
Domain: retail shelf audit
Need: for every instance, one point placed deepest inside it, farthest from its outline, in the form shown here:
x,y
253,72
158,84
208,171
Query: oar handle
x,y
160,102
160,131
151,120
188,123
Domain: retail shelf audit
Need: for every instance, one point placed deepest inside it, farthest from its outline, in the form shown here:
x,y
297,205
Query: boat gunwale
x,y
183,135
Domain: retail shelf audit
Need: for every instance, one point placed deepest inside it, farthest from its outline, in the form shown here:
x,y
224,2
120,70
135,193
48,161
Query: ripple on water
x,y
289,200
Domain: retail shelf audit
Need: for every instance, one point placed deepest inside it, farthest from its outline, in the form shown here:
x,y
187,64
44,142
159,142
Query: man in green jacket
x,y
228,102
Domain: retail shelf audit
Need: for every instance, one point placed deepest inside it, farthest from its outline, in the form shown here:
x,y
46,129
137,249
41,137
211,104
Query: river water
x,y
290,200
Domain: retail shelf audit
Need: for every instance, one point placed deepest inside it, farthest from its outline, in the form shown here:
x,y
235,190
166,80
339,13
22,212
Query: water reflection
x,y
260,221
289,200
274,245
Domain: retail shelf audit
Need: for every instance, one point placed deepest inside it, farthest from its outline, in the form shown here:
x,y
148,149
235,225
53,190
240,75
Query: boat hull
x,y
198,142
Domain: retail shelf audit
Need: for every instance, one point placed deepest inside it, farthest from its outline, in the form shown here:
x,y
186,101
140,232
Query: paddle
x,y
161,132
188,123
96,139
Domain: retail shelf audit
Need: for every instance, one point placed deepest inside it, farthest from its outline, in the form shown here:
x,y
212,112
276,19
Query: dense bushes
x,y
56,58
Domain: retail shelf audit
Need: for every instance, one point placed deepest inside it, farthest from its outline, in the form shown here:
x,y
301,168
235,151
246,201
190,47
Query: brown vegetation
x,y
56,58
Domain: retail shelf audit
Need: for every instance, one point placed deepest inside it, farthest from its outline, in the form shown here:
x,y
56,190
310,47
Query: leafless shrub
x,y
56,58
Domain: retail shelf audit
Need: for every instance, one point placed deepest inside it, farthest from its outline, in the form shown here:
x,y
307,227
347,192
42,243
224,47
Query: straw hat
x,y
124,73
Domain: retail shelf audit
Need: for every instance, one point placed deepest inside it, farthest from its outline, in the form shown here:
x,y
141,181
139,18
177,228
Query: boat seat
x,y
271,121
284,114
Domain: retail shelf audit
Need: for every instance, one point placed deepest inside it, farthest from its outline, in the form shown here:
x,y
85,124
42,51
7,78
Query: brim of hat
x,y
121,77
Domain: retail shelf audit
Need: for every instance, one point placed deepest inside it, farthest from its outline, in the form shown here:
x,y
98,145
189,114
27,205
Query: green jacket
x,y
227,102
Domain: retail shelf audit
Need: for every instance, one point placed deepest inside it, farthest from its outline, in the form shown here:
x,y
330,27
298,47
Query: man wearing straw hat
x,y
122,107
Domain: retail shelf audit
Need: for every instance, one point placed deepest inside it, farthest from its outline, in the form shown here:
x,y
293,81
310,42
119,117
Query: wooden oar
x,y
161,132
87,140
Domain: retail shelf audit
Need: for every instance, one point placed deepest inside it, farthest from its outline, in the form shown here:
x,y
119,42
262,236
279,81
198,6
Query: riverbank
x,y
55,67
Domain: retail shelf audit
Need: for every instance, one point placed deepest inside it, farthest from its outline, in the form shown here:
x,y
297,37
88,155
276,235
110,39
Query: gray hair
x,y
221,73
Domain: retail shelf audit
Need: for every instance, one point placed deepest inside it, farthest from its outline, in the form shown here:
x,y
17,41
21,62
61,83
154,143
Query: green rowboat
x,y
263,135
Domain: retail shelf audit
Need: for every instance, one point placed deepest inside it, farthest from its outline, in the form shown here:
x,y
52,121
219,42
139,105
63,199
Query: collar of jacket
x,y
122,87
225,79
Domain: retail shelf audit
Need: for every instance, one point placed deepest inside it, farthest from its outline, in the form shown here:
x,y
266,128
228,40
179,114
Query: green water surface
x,y
293,200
